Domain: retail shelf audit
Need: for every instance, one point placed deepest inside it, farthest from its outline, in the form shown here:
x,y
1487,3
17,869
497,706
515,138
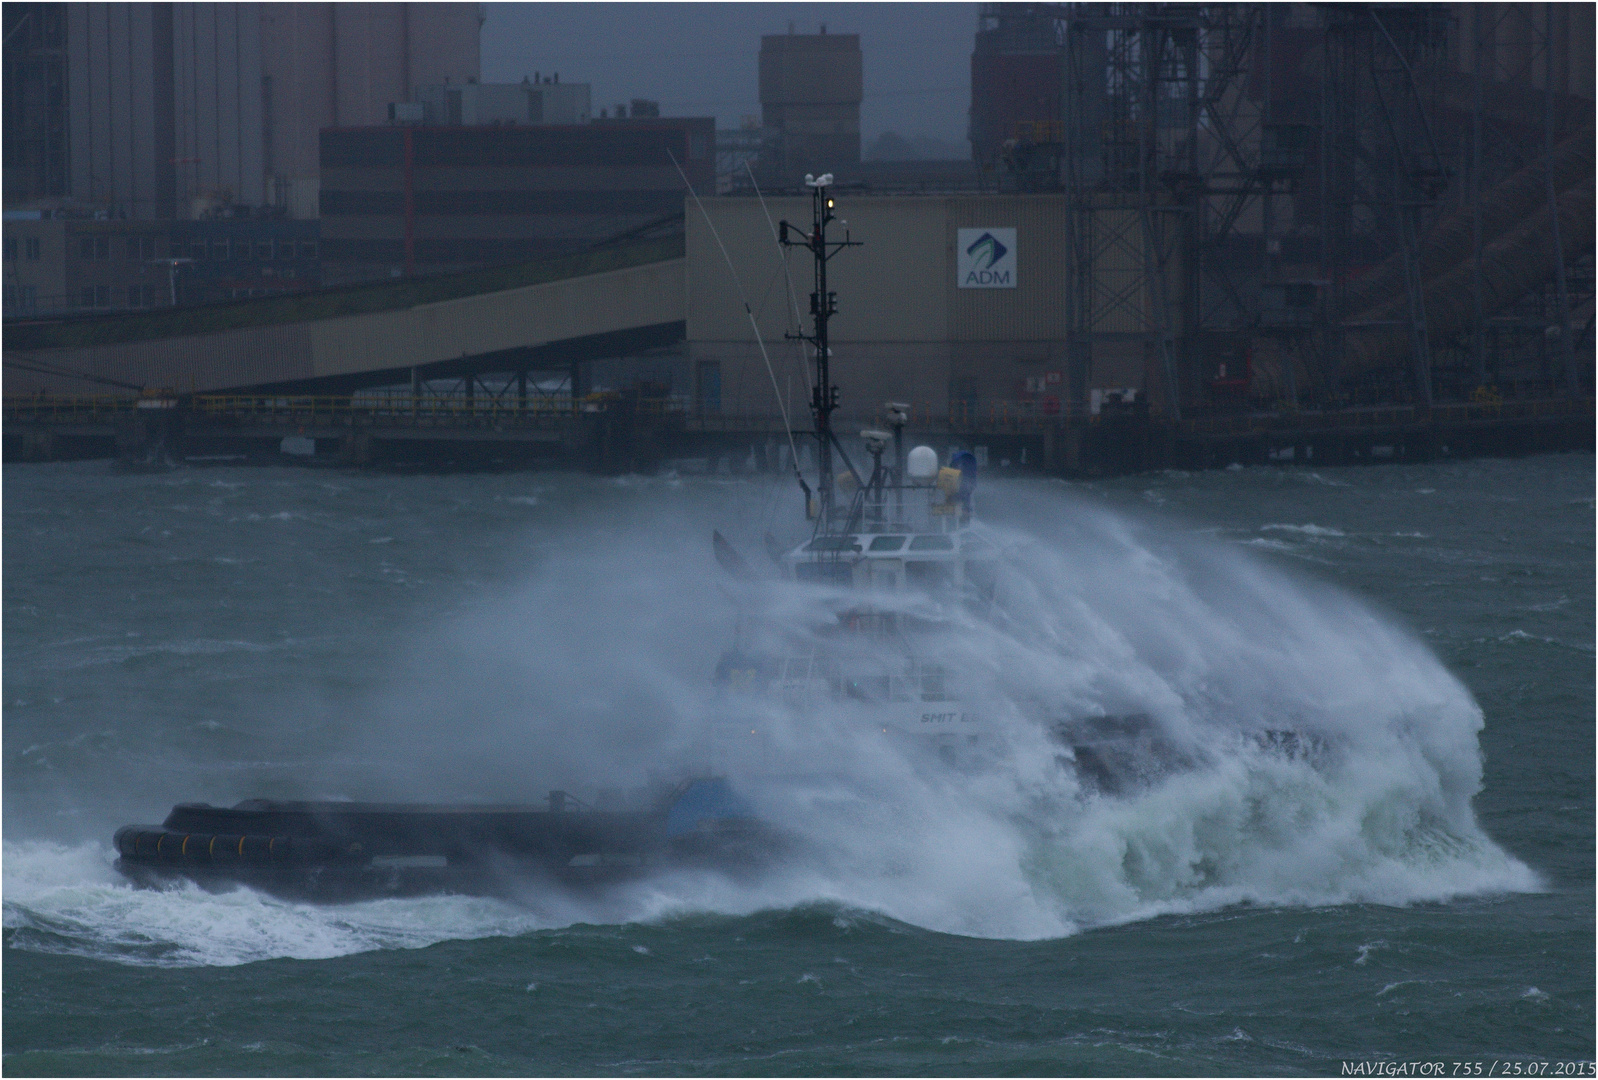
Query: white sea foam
x,y
1314,478
70,900
1305,530
596,672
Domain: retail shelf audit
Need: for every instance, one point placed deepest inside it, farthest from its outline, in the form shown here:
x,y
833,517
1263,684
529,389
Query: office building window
x,y
86,247
30,248
102,247
307,249
263,249
133,247
219,250
30,297
102,296
197,251
11,249
86,296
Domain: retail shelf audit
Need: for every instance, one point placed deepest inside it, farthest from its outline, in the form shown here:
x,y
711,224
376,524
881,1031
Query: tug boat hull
x,y
345,850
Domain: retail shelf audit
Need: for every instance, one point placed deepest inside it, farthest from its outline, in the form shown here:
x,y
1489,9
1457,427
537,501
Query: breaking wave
x,y
1310,750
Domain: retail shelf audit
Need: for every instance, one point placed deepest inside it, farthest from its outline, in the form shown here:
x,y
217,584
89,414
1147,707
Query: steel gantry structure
x,y
1284,203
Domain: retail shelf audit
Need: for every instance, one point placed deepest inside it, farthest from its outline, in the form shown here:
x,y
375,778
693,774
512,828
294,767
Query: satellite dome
x,y
922,463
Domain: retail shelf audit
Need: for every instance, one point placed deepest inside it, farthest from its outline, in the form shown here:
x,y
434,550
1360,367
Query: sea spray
x,y
594,673
1317,752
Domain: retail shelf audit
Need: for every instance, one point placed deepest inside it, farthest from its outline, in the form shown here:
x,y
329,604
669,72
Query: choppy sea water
x,y
219,633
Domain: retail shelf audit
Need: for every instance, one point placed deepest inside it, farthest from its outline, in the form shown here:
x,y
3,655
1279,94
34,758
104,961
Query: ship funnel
x,y
923,463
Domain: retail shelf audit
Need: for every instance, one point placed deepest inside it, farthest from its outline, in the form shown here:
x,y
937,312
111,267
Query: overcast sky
x,y
703,59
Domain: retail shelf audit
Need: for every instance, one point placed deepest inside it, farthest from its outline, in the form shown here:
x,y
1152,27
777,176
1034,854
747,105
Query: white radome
x,y
922,463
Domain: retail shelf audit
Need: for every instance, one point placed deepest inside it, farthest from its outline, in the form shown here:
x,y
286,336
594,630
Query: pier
x,y
619,433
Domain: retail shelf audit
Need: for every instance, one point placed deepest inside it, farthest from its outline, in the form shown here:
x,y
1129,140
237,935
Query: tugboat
x,y
898,553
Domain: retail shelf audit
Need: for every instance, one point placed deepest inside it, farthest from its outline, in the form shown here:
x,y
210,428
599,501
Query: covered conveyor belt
x,y
609,301
1518,256
1508,204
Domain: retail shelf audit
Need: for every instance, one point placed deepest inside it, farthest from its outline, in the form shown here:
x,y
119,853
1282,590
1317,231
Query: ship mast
x,y
823,305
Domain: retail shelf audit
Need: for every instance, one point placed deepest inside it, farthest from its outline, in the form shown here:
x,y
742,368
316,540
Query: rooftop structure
x,y
810,91
544,102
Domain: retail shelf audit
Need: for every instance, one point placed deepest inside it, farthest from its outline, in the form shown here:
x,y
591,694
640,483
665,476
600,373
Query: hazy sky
x,y
702,59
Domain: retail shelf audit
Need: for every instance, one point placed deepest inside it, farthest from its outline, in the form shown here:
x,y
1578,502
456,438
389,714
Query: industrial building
x,y
203,112
1362,202
921,318
415,199
145,110
810,91
1205,221
60,263
1217,208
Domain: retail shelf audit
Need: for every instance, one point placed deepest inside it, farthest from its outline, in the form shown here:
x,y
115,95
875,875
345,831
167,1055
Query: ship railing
x,y
911,506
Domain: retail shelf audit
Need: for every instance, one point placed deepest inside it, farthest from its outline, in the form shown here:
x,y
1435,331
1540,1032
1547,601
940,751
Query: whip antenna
x,y
793,297
782,407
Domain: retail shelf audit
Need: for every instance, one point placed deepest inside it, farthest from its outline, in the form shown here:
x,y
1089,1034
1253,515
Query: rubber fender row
x,y
148,845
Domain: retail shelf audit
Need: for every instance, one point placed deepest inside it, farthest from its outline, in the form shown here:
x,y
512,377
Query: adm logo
x,y
985,259
986,251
